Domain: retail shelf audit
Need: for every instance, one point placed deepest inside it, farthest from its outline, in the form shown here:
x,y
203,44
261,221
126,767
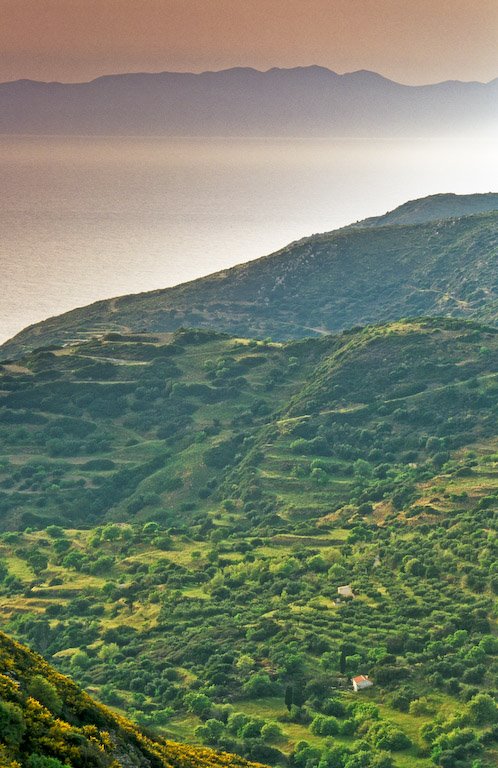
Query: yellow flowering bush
x,y
84,733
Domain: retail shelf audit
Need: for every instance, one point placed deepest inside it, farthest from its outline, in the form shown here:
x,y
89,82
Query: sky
x,y
411,41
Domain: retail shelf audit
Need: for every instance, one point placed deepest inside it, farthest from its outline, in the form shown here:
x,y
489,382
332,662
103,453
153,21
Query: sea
x,y
86,218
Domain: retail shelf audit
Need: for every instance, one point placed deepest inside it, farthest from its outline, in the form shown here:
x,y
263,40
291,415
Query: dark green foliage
x,y
44,692
40,761
12,725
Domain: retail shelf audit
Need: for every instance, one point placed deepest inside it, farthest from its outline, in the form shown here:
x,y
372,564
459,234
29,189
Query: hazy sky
x,y
413,41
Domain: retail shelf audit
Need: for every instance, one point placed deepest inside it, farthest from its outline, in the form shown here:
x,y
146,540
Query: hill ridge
x,y
381,269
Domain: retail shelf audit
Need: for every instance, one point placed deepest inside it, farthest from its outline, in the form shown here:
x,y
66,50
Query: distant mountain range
x,y
304,101
431,257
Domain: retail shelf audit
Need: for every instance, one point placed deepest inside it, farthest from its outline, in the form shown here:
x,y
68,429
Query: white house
x,y
345,591
361,682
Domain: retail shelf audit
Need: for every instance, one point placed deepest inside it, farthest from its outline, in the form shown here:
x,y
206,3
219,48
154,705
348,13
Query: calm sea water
x,y
85,218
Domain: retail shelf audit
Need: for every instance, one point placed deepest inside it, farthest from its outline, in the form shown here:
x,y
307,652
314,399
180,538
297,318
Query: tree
x,y
414,567
482,709
55,532
362,468
252,729
421,706
295,695
259,685
382,760
61,546
288,697
41,761
236,721
12,725
38,561
245,664
150,528
324,726
74,560
334,707
108,651
359,760
199,704
211,732
80,660
42,690
111,532
271,732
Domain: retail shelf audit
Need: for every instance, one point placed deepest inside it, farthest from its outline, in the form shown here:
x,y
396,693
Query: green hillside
x,y
410,262
135,427
179,512
46,721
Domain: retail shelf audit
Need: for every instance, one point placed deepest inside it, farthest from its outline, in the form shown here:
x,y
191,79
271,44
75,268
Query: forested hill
x,y
158,427
328,282
46,721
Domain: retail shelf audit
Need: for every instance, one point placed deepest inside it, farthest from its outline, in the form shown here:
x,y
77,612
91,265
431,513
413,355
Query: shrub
x,y
40,761
258,686
271,732
483,709
43,691
324,726
12,726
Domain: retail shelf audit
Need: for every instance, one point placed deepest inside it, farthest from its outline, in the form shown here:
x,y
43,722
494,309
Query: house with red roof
x,y
361,682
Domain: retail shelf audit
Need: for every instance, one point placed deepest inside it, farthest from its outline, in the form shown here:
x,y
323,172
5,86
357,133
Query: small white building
x,y
345,591
361,682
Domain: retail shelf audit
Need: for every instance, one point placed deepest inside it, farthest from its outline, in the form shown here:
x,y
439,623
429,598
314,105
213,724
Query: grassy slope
x,y
410,263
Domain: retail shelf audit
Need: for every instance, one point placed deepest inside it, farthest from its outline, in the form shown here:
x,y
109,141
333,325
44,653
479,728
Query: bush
x,y
43,691
12,726
211,732
483,709
387,737
271,732
258,686
40,761
324,726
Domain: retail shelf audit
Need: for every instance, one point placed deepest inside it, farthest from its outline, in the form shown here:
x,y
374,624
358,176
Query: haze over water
x,y
88,218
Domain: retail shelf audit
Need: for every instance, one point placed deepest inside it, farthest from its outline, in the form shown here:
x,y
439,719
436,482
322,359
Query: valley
x,y
180,511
